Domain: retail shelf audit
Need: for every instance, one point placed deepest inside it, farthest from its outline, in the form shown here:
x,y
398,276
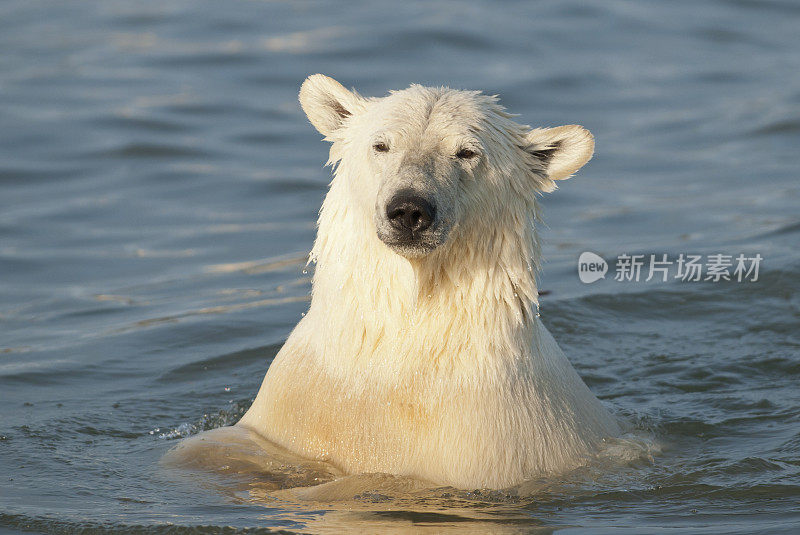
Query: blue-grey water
x,y
158,192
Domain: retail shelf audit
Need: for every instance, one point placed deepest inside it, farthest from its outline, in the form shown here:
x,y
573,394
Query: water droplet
x,y
302,314
305,271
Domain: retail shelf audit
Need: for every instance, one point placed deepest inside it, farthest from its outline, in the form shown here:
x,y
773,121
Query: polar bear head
x,y
426,165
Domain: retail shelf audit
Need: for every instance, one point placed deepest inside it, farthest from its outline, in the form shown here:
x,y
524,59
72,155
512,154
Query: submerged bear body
x,y
422,353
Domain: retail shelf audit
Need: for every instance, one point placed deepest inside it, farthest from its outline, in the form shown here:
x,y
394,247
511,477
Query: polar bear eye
x,y
466,154
381,146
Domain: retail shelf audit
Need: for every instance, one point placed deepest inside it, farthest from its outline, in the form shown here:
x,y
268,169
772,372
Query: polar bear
x,y
422,353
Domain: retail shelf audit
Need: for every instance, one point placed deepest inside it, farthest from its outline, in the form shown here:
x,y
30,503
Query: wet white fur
x,y
433,366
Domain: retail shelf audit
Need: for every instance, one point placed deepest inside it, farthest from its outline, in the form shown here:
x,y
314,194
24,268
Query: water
x,y
159,186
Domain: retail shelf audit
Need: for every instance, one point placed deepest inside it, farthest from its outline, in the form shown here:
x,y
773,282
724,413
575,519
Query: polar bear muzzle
x,y
410,214
410,225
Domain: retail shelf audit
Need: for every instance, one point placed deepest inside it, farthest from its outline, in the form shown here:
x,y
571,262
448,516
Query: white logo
x,y
690,267
591,267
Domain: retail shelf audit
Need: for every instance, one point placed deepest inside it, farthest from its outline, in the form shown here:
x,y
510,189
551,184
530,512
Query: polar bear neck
x,y
475,296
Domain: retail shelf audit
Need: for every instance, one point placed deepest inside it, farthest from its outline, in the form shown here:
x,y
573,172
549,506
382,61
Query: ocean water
x,y
158,192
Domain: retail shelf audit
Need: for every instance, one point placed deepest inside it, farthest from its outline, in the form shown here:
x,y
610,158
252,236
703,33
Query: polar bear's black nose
x,y
409,211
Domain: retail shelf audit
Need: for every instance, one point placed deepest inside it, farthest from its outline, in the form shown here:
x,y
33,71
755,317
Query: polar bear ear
x,y
327,103
562,150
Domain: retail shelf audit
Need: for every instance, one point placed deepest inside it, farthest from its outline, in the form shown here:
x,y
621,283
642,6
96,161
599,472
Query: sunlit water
x,y
158,190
